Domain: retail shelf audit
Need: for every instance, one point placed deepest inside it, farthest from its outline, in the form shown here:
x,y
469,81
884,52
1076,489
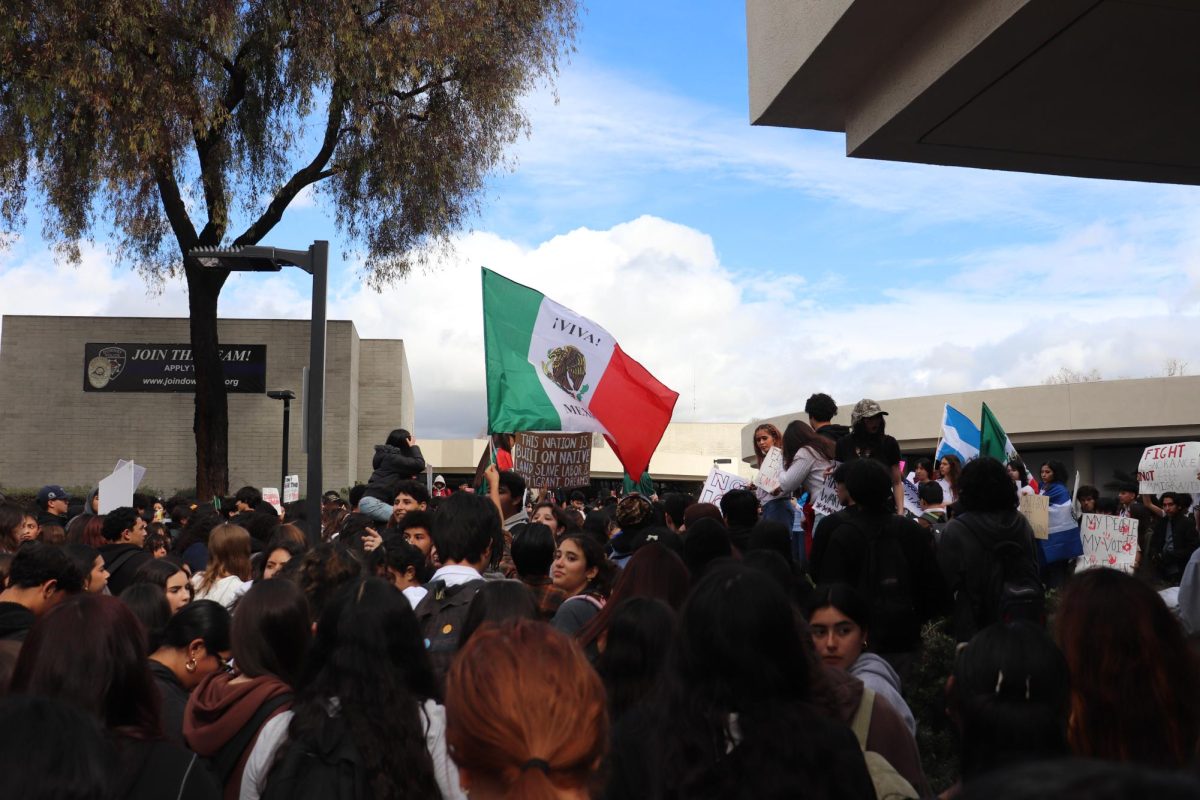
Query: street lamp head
x,y
252,258
281,394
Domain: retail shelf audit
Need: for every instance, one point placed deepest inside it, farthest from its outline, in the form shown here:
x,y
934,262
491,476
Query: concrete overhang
x,y
1088,88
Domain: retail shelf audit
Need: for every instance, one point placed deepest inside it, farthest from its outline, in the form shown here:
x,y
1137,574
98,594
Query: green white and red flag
x,y
550,369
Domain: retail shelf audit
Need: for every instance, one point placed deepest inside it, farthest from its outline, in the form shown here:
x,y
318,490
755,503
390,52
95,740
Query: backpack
x,y
1012,590
329,769
889,784
441,614
886,584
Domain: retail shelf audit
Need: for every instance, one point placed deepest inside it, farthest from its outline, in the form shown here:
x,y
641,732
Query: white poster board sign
x,y
1170,468
271,495
116,491
138,472
291,488
718,483
770,470
826,502
912,501
1108,542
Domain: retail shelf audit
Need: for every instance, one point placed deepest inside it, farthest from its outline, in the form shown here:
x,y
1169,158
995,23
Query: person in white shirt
x,y
227,576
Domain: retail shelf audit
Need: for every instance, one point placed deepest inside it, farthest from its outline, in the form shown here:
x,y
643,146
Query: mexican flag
x,y
549,369
993,441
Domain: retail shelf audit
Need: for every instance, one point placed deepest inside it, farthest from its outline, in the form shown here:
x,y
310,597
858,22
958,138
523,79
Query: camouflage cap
x,y
865,408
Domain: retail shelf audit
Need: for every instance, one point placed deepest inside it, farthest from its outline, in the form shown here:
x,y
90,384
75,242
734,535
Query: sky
x,y
745,267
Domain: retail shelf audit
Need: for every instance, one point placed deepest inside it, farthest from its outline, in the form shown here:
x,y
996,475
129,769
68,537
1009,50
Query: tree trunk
x,y
211,421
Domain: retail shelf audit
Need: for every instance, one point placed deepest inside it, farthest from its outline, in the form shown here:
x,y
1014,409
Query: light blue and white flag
x,y
960,437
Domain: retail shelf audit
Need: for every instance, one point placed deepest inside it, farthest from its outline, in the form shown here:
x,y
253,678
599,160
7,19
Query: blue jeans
x,y
375,508
779,510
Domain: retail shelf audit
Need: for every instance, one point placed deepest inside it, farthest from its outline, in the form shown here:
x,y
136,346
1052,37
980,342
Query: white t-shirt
x,y
226,591
274,734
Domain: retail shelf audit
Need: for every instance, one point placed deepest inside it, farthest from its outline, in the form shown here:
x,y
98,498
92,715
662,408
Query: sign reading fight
x,y
1108,542
148,367
771,469
553,460
1170,468
718,483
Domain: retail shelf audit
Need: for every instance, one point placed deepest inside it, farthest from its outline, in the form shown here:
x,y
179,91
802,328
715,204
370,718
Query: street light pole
x,y
314,261
287,396
315,397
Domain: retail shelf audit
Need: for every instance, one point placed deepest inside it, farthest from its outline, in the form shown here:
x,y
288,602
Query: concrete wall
x,y
51,431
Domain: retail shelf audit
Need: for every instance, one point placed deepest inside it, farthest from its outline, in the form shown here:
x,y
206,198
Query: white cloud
x,y
608,131
750,345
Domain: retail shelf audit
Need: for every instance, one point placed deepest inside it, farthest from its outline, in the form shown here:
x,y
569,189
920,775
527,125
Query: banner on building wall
x,y
152,367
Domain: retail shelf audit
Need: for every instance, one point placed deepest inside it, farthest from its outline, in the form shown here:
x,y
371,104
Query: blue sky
x,y
756,265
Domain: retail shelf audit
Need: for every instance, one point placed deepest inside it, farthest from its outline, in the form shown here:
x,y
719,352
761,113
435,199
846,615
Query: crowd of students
x,y
412,644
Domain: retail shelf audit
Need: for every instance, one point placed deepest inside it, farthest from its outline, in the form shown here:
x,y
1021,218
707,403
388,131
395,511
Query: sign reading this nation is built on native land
x,y
553,460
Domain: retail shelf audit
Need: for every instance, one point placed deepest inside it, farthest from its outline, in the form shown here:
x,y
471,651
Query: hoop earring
x,y
190,666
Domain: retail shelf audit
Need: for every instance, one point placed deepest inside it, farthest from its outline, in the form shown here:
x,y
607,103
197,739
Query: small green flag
x,y
993,441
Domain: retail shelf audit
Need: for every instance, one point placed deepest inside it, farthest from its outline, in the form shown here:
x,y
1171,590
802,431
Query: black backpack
x,y
328,769
885,582
1013,590
441,614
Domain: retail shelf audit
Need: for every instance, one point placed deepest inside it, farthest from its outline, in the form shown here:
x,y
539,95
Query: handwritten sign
x,y
1108,542
719,483
826,502
271,495
291,488
553,460
1036,508
912,501
770,470
1170,468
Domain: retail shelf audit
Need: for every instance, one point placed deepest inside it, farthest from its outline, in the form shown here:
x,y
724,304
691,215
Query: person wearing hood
x,y
838,620
988,516
227,710
440,489
821,408
396,460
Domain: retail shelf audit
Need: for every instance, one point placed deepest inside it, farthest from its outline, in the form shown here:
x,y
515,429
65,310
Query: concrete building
x,y
57,425
1092,88
1093,427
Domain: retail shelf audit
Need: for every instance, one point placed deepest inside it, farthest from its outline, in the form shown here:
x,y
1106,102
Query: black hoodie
x,y
15,621
833,431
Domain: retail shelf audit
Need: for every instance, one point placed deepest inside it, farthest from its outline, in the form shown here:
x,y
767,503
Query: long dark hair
x,y
639,638
653,571
1009,698
593,556
270,633
798,435
370,657
90,650
738,651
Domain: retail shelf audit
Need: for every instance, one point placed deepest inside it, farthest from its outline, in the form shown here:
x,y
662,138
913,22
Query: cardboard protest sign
x,y
291,488
116,491
138,472
770,470
1108,542
1170,468
271,495
553,460
826,502
1036,508
718,483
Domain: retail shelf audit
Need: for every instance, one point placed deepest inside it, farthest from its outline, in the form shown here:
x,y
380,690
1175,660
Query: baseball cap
x,y
52,492
865,408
